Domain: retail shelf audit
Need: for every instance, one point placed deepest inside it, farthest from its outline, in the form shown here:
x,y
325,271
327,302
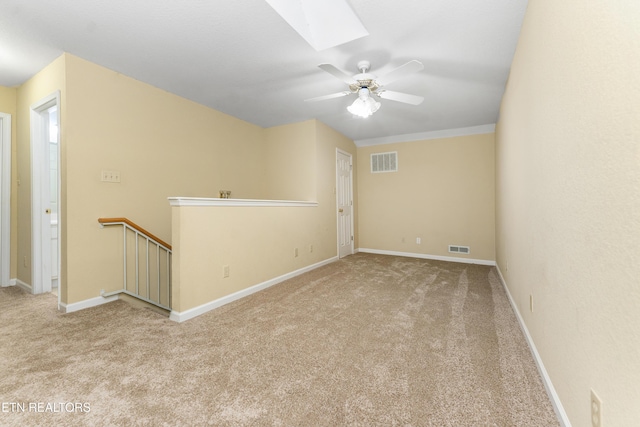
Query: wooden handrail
x,y
134,226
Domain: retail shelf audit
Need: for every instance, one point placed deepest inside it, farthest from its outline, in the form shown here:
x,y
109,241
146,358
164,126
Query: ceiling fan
x,y
368,86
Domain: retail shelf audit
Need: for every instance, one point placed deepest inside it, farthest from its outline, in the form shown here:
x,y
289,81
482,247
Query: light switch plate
x,y
110,176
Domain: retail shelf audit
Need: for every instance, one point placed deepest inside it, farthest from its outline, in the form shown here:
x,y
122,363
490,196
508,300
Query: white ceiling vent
x,y
459,249
384,162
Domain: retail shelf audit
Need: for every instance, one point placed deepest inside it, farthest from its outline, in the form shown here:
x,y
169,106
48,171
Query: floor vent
x,y
384,162
459,249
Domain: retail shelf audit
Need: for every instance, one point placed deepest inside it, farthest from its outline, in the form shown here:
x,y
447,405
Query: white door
x,y
45,119
344,199
5,196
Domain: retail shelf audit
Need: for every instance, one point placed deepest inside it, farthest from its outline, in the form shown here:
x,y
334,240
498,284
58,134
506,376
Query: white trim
x,y
22,285
88,303
5,210
548,385
427,256
204,308
202,201
447,133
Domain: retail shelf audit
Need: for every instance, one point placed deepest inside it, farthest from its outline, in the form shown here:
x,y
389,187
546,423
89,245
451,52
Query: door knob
x,y
340,210
47,211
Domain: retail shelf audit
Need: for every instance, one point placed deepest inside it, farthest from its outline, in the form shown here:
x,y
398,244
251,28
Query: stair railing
x,y
146,246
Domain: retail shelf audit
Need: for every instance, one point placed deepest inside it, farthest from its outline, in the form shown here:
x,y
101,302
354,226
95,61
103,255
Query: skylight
x,y
323,24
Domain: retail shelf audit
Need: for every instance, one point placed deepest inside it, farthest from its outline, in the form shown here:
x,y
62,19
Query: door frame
x,y
40,222
5,194
353,233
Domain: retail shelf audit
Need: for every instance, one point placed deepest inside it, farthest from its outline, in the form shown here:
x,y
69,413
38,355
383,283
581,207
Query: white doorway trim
x,y
5,192
41,267
348,205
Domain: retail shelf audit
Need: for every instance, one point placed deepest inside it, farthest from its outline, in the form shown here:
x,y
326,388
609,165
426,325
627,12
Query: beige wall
x,y
301,165
258,243
442,193
161,144
8,105
290,161
43,84
568,199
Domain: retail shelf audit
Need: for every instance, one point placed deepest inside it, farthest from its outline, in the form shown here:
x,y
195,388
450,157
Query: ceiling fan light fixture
x,y
365,105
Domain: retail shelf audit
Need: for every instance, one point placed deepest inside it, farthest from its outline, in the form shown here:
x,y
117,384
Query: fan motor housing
x,y
370,84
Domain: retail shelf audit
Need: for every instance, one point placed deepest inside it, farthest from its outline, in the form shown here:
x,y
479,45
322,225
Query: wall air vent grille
x,y
384,162
459,249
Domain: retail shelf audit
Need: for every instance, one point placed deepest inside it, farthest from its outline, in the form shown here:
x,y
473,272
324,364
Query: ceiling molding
x,y
446,133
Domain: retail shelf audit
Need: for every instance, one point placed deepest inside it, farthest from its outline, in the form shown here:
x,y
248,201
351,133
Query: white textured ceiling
x,y
242,58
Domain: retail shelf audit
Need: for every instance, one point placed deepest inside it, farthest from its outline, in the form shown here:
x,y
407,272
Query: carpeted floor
x,y
369,340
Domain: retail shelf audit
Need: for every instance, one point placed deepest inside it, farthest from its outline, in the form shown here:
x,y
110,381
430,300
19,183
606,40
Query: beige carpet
x,y
370,340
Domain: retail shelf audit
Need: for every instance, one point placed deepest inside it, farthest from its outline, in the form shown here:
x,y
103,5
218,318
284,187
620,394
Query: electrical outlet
x,y
310,248
418,240
295,252
596,410
225,271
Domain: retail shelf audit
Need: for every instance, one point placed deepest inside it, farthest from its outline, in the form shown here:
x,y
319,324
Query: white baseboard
x,y
91,302
67,308
11,282
548,385
27,287
427,256
201,309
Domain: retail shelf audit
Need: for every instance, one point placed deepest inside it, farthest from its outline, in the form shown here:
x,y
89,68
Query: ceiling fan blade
x,y
400,72
400,97
338,73
333,95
